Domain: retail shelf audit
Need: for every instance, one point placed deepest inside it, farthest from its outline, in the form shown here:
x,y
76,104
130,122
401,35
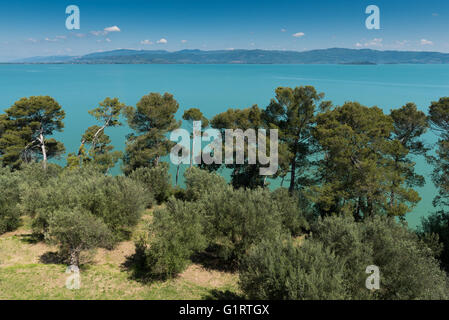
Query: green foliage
x,y
34,179
180,193
199,182
243,175
25,128
439,120
152,119
331,264
226,221
117,201
169,252
407,266
357,173
157,181
76,230
9,200
195,114
293,218
345,238
293,113
96,140
437,224
409,126
283,270
100,153
239,219
108,112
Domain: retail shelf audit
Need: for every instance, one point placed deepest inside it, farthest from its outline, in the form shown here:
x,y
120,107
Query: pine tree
x,y
25,129
409,126
293,113
356,170
152,119
439,120
99,151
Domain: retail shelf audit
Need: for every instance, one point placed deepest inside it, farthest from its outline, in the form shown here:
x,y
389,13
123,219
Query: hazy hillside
x,y
325,56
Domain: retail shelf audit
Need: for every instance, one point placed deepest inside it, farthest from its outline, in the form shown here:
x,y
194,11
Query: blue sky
x,y
37,28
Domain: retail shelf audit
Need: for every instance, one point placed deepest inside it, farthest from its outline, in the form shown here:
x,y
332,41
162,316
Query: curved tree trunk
x,y
75,257
44,150
177,175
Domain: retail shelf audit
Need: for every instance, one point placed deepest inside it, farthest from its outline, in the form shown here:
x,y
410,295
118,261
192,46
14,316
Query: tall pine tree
x,y
26,127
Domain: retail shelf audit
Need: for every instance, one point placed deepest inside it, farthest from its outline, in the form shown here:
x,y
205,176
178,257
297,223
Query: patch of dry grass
x,y
24,276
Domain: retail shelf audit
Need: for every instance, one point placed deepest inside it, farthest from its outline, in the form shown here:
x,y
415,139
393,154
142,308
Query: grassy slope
x,y
26,273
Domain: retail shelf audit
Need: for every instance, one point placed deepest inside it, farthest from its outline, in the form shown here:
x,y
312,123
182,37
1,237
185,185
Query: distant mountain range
x,y
324,56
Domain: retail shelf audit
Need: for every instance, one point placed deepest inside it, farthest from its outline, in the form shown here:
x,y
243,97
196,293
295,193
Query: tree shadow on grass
x,y
61,257
209,260
135,266
216,294
31,238
51,257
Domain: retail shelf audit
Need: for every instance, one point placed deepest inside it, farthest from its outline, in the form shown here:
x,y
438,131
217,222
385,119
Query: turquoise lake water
x,y
215,88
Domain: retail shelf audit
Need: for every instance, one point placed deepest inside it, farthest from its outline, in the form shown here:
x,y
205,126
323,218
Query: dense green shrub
x,y
180,193
118,201
283,270
238,219
34,179
77,230
438,224
199,182
9,200
176,233
226,221
34,172
346,238
408,269
293,218
156,180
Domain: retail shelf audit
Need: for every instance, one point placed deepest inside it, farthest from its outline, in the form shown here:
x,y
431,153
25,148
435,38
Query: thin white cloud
x,y
112,29
97,33
425,42
376,42
108,40
32,40
146,42
105,31
283,30
162,41
299,34
183,41
401,43
55,39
